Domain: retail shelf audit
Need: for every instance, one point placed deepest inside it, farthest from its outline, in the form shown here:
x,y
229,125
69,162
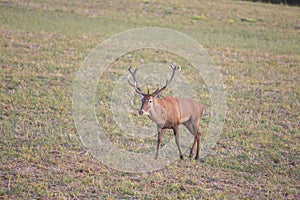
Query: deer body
x,y
170,112
165,112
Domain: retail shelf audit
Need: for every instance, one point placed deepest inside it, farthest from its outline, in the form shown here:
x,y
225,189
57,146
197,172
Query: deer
x,y
169,112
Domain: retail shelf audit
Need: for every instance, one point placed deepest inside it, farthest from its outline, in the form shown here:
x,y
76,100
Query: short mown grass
x,y
257,47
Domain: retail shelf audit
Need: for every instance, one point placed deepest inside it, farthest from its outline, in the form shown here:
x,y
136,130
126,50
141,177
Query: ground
x,y
257,47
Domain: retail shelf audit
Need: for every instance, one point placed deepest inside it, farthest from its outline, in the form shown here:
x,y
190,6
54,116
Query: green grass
x,y
42,44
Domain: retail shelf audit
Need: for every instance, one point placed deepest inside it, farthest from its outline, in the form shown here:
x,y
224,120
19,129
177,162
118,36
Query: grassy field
x,y
42,45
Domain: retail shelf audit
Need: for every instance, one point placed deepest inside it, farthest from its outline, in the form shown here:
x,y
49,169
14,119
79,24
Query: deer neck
x,y
158,114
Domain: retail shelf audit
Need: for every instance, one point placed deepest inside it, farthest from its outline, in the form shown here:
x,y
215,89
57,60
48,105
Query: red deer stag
x,y
169,112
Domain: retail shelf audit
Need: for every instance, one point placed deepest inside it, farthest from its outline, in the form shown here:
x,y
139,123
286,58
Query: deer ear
x,y
158,95
142,96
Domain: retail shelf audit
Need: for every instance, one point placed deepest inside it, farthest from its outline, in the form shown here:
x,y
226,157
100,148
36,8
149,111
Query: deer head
x,y
149,100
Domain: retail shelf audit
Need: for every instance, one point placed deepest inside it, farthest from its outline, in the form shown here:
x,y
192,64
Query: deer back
x,y
189,109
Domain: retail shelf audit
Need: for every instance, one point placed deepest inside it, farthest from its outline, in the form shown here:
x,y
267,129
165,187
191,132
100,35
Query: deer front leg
x,y
160,132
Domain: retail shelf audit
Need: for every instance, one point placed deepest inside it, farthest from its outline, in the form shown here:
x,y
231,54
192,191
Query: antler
x,y
157,91
135,85
174,68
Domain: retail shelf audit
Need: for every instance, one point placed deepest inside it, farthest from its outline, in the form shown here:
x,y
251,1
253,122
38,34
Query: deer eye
x,y
150,101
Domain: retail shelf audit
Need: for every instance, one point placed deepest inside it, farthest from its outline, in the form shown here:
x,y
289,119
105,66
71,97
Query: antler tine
x,y
135,85
174,68
132,74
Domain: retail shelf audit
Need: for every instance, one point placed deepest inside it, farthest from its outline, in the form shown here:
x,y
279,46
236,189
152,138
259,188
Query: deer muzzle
x,y
141,112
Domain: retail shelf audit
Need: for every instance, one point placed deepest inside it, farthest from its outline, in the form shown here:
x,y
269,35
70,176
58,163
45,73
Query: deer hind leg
x,y
198,138
190,127
192,149
160,132
175,130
